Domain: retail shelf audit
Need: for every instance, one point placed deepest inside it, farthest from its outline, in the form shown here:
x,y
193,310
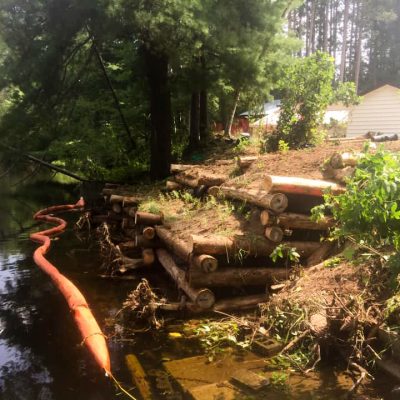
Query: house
x,y
269,114
379,111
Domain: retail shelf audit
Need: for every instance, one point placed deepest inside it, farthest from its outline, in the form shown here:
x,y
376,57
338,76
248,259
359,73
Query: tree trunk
x,y
295,221
359,34
203,115
161,113
312,26
228,126
194,130
344,41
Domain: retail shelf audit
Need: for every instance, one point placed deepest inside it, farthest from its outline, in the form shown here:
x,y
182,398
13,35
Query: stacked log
x,y
340,166
197,263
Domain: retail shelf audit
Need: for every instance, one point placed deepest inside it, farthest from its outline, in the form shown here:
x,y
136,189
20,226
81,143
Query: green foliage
x,y
216,336
307,91
369,209
345,93
283,147
283,251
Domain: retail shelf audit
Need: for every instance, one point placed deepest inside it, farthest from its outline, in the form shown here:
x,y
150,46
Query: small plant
x,y
283,251
283,147
279,380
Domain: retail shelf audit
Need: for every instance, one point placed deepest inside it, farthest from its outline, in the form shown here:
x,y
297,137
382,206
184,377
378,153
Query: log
x,y
149,232
124,200
296,221
276,202
187,181
175,168
142,242
203,298
212,179
303,186
128,223
145,218
240,303
148,256
338,160
128,245
107,192
245,161
117,208
274,234
171,185
256,245
129,264
205,263
131,211
321,253
109,185
184,251
238,277
264,217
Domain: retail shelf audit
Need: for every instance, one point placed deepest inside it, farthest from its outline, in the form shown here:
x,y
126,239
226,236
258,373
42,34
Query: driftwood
x,y
238,277
276,202
295,221
257,245
145,218
184,251
274,234
294,185
203,298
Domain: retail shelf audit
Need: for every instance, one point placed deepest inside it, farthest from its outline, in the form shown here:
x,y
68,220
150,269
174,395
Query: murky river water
x,y
40,353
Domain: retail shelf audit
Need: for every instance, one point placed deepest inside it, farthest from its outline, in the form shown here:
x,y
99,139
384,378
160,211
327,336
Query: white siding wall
x,y
379,111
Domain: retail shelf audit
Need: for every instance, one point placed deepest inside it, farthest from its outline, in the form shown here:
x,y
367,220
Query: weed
x,y
283,251
283,147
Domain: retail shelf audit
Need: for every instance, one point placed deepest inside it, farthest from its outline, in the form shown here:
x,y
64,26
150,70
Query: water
x,y
40,353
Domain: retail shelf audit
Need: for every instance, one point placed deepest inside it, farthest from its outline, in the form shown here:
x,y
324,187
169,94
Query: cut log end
x,y
206,263
264,217
274,234
149,233
205,299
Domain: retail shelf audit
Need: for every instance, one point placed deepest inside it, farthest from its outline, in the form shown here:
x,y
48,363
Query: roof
x,y
266,109
380,87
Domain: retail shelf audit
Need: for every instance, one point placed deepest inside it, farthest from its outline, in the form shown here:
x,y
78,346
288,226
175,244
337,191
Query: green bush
x,y
369,210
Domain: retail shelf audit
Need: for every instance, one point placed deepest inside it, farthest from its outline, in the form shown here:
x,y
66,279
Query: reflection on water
x,y
40,353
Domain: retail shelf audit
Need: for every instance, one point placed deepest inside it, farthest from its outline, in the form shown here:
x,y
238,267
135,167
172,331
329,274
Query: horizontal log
x,y
175,168
107,192
124,200
257,246
203,298
276,202
128,245
184,250
129,264
171,185
245,161
295,185
187,181
240,303
238,277
212,179
296,221
146,218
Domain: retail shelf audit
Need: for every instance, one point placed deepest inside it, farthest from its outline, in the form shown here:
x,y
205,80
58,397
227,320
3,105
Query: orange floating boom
x,y
90,331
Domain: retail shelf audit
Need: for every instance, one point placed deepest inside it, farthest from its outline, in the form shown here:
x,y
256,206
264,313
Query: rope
x,y
119,386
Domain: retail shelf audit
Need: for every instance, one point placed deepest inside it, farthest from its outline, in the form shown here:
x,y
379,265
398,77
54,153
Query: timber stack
x,y
205,265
